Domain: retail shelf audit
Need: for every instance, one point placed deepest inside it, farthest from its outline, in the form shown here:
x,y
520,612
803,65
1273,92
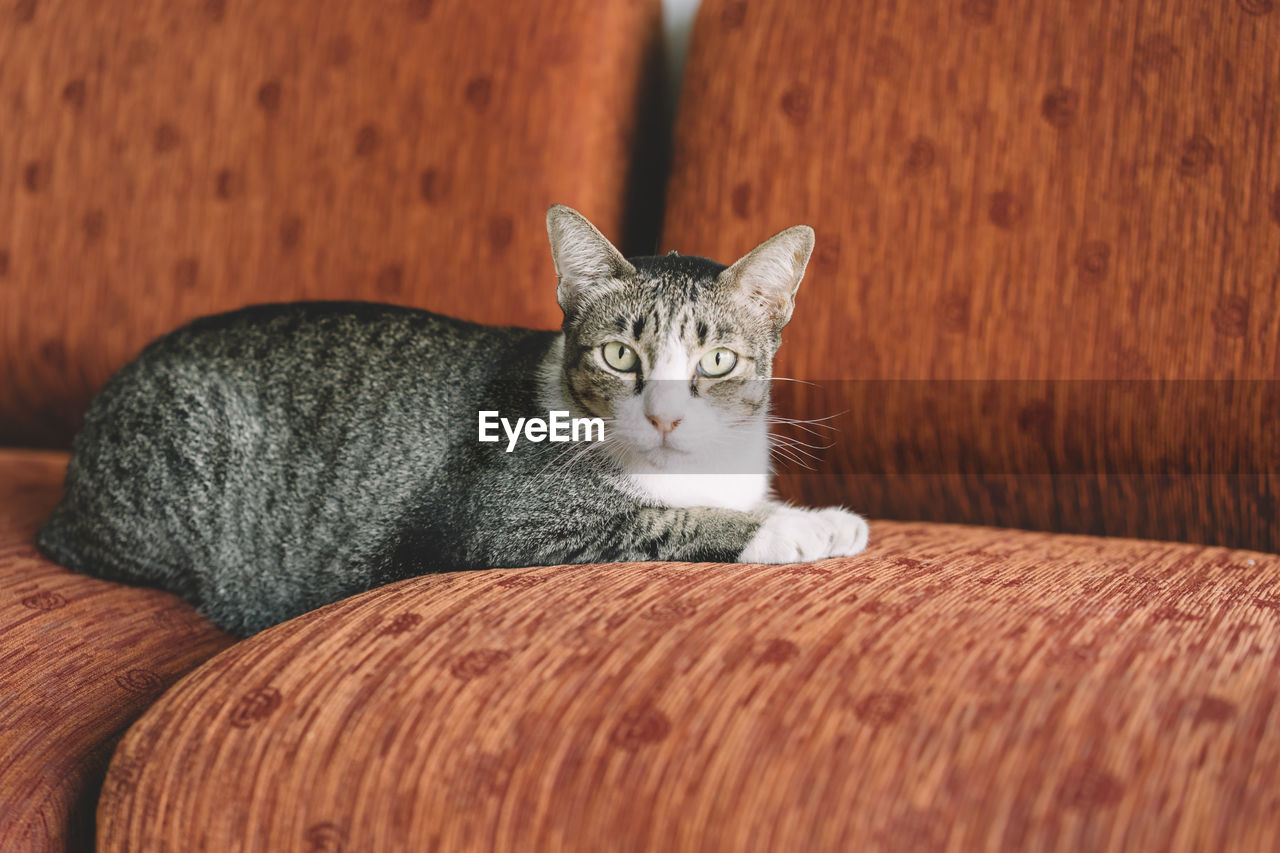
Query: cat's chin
x,y
664,457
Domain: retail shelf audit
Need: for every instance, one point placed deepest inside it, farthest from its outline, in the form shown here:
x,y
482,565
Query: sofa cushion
x,y
951,688
80,660
160,161
1023,211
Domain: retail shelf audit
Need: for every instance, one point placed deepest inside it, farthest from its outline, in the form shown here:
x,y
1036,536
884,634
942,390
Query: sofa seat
x,y
952,688
80,659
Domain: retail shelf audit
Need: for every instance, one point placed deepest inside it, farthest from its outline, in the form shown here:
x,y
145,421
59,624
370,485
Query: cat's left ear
x,y
770,274
586,263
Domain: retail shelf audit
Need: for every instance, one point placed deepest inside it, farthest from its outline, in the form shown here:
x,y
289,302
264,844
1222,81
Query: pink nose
x,y
663,425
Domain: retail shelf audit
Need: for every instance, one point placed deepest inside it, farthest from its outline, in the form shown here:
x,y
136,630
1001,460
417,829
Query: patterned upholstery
x,y
1025,212
165,160
1019,207
953,688
80,660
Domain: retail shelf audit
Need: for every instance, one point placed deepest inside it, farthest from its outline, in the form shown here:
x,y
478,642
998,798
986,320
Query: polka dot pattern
x,y
180,159
87,656
1018,193
952,688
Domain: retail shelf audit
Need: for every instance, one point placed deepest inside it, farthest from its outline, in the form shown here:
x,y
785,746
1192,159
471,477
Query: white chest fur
x,y
728,491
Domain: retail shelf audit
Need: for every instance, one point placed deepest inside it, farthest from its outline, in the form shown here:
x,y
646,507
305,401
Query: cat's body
x,y
266,462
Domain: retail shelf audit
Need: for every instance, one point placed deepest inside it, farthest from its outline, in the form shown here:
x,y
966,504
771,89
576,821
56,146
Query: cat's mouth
x,y
664,455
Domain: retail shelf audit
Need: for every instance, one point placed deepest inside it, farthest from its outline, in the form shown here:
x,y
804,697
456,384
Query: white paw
x,y
791,535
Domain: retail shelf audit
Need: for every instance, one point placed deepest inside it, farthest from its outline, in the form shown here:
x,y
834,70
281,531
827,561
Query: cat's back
x,y
281,438
272,371
344,335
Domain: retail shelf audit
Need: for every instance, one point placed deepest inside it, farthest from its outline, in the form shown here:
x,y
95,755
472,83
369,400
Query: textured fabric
x,y
952,688
79,661
1081,192
164,160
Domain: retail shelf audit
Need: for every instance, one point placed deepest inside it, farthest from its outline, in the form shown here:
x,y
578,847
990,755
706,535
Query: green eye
x,y
619,356
718,362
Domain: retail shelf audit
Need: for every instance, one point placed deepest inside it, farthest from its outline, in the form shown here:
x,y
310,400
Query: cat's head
x,y
675,352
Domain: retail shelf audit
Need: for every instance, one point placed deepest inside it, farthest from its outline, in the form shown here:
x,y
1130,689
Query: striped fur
x,y
268,461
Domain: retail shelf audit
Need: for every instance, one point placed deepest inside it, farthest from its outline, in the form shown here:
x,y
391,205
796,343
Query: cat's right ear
x,y
586,262
770,274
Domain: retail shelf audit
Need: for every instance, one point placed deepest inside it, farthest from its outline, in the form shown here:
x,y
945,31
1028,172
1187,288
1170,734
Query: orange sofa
x,y
1044,297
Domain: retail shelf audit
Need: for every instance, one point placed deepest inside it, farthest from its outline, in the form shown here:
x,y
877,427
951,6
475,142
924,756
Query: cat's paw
x,y
791,535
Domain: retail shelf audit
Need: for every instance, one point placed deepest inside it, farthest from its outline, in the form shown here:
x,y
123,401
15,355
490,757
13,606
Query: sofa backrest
x,y
159,161
1036,193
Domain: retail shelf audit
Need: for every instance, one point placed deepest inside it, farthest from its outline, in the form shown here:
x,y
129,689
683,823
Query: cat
x,y
271,460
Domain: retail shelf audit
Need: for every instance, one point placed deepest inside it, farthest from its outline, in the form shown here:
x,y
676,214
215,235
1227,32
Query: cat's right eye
x,y
619,356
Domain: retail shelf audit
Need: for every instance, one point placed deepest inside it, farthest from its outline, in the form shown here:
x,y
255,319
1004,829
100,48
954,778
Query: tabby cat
x,y
268,461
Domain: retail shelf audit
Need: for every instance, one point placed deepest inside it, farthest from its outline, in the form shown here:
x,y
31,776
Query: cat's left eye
x,y
619,356
717,362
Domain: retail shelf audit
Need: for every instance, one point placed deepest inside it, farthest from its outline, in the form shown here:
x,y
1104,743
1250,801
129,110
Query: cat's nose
x,y
663,425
